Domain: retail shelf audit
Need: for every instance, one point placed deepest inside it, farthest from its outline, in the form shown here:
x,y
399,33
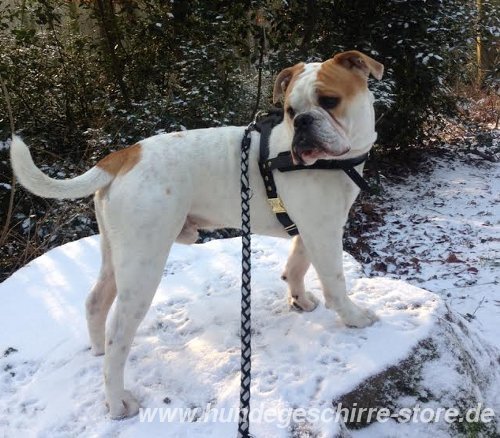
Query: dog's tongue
x,y
309,156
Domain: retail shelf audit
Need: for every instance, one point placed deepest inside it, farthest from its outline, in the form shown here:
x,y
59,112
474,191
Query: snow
x,y
443,231
186,351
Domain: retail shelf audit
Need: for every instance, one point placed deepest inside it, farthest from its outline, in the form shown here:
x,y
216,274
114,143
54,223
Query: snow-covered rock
x,y
452,369
185,358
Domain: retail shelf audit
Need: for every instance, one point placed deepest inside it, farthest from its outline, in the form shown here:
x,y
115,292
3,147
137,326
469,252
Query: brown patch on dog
x,y
336,81
346,75
284,81
360,63
121,162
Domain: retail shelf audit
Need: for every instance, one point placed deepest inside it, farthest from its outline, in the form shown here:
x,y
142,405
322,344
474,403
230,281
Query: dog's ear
x,y
359,62
284,79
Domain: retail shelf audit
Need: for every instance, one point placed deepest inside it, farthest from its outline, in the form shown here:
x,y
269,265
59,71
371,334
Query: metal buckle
x,y
276,205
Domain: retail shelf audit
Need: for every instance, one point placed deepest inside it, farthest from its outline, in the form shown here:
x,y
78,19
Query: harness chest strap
x,y
275,201
284,163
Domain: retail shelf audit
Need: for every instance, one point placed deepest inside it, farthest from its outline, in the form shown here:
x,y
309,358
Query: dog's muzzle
x,y
306,146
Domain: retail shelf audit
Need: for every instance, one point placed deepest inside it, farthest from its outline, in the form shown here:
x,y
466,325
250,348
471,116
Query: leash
x,y
246,271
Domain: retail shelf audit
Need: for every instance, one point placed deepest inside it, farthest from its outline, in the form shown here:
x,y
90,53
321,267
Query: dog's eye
x,y
329,102
291,112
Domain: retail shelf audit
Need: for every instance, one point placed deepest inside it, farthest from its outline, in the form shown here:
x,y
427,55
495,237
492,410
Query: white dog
x,y
167,187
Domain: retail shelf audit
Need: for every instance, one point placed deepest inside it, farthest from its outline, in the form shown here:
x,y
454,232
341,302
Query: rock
x,y
451,368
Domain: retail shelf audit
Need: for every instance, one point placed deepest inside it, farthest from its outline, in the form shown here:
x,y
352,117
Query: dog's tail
x,y
33,179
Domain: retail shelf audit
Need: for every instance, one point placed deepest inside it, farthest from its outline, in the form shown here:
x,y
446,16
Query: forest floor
x,y
439,229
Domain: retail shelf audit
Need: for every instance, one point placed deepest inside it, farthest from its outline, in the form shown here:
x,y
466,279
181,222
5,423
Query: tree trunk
x,y
105,12
485,49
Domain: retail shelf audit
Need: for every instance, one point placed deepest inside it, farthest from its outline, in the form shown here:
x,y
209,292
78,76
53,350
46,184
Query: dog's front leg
x,y
325,250
296,267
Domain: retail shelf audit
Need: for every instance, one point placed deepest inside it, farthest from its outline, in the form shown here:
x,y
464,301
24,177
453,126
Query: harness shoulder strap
x,y
265,125
275,201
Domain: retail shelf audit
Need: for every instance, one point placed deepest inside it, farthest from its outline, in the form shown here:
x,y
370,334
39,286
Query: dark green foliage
x,y
127,70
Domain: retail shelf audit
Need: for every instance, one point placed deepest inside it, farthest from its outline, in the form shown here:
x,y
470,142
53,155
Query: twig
x,y
483,155
8,218
470,316
380,118
478,306
468,285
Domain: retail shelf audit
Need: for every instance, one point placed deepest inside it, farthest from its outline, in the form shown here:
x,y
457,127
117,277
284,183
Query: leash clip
x,y
251,125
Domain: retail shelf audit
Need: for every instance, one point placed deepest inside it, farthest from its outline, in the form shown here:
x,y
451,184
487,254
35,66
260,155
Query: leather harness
x,y
284,163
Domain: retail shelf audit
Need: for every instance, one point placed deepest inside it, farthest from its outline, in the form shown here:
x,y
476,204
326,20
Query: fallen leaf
x,y
452,258
380,267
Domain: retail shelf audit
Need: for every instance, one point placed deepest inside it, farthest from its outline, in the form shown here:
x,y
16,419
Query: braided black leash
x,y
246,350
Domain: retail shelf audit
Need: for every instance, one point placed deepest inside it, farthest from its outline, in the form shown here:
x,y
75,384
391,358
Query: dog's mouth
x,y
307,148
311,155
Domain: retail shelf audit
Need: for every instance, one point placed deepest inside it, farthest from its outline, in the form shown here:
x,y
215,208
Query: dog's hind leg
x,y
296,267
139,249
103,293
138,275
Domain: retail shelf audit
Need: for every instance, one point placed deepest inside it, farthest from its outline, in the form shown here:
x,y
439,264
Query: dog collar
x,y
283,162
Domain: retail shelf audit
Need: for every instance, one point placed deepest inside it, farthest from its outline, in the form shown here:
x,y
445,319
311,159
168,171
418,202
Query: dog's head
x,y
329,106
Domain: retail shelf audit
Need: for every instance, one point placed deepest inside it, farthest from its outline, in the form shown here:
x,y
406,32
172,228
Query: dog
x,y
167,187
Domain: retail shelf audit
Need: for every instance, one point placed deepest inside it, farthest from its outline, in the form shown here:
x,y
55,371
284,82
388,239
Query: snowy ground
x,y
441,234
187,350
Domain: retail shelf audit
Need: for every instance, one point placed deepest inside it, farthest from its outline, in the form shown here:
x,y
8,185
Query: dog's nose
x,y
303,121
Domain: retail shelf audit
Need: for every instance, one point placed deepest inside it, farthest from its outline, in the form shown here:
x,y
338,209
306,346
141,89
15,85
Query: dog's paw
x,y
306,303
97,350
359,317
124,407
